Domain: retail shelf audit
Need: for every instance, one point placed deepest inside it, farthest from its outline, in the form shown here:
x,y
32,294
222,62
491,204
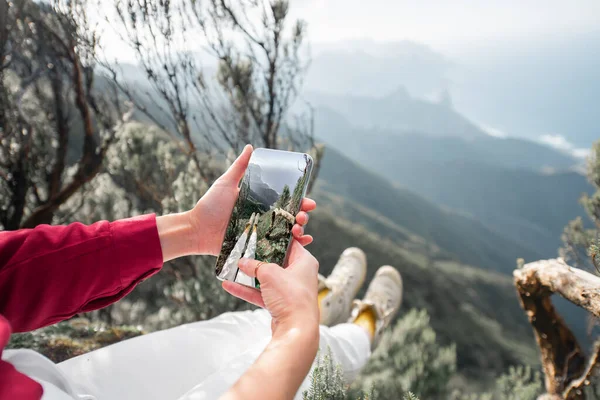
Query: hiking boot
x,y
337,291
383,298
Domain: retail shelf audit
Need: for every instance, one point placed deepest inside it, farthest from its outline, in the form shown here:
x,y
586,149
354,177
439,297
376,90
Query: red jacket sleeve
x,y
50,273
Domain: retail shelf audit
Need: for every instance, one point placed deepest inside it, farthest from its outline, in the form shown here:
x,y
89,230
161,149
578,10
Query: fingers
x,y
298,234
246,293
305,240
252,268
297,231
236,171
308,205
302,218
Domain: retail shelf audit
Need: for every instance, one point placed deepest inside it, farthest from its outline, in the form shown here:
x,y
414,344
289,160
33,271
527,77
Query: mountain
x,y
467,239
259,189
500,182
522,86
370,68
474,307
333,127
398,111
530,88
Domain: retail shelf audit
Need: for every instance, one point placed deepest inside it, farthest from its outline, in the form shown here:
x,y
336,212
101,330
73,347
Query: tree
x,y
284,198
567,368
580,242
55,128
260,69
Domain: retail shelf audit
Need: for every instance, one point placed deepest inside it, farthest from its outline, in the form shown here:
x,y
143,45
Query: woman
x,y
49,274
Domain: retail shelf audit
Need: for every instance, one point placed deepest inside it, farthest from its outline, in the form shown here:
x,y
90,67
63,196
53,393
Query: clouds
x,y
559,142
495,132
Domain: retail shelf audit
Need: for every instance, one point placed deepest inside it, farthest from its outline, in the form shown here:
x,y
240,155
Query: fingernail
x,y
243,262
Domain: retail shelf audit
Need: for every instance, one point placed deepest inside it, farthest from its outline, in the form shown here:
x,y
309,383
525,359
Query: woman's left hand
x,y
210,217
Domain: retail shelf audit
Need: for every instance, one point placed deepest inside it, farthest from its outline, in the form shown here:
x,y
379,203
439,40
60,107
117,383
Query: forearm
x,y
281,368
177,238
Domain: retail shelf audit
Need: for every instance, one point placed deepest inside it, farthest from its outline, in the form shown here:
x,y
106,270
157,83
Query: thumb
x,y
236,171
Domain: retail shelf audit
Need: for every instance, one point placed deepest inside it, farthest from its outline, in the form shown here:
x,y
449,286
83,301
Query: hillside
x,y
398,111
418,146
497,181
464,237
463,301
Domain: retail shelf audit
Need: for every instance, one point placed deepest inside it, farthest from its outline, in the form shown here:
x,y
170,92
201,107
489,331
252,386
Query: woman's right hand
x,y
289,294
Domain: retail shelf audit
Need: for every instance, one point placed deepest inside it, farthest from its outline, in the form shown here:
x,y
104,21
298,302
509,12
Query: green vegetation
x,y
409,358
274,227
65,340
580,240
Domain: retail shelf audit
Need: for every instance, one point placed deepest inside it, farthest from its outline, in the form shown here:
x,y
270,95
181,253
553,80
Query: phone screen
x,y
262,219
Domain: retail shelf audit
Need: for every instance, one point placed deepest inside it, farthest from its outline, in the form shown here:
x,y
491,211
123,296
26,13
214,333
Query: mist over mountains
x,y
523,88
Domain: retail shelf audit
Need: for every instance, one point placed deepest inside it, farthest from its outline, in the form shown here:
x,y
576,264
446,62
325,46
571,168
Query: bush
x,y
410,359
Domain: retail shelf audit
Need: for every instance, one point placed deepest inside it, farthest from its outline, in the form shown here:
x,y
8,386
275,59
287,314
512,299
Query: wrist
x,y
302,329
176,235
300,340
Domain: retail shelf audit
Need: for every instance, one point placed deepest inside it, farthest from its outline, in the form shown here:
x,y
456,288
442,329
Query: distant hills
x,y
522,87
259,189
524,191
370,68
333,126
460,237
397,111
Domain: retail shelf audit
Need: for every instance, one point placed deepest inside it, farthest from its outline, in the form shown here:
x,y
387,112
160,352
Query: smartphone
x,y
261,222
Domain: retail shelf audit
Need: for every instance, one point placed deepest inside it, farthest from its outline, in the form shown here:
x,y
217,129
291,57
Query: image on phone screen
x,y
261,223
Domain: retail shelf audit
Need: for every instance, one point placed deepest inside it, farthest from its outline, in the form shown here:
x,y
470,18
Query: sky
x,y
279,168
443,24
452,28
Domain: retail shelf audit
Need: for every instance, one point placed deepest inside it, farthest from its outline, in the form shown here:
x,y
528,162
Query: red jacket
x,y
50,273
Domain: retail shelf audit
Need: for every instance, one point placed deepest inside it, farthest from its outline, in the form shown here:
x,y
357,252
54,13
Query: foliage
x,y
64,340
327,383
580,242
284,198
258,51
519,383
409,358
146,172
55,129
327,380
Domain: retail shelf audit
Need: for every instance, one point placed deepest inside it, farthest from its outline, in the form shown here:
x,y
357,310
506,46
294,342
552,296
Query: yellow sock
x,y
322,294
366,319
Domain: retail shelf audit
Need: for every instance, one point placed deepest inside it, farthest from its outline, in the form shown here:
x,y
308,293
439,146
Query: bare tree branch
x,y
565,365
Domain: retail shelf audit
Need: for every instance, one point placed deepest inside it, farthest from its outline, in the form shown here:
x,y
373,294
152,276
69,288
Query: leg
x,y
350,348
166,364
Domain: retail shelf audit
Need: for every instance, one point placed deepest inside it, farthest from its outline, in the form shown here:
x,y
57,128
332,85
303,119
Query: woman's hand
x,y
211,215
291,297
202,229
289,294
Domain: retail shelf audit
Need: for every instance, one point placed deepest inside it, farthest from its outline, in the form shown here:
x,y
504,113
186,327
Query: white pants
x,y
194,361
